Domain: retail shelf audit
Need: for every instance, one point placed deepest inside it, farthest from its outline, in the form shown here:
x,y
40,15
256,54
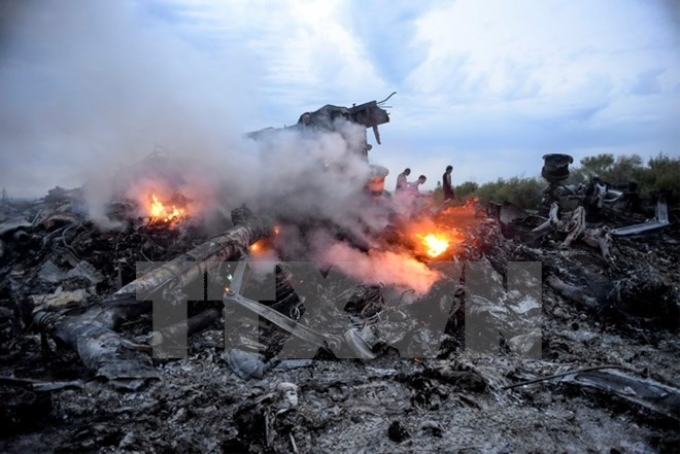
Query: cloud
x,y
510,82
311,58
647,82
385,30
485,87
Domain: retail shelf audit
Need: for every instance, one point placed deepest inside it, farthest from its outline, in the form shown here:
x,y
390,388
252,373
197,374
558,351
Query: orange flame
x,y
445,232
159,212
436,244
255,247
157,208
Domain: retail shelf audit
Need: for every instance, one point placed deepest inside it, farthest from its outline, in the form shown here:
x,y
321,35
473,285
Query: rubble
x,y
574,349
92,333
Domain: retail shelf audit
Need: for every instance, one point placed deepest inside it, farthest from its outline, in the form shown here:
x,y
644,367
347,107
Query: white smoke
x,y
90,87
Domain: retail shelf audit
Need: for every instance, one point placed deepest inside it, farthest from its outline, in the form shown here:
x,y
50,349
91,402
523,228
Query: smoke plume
x,y
90,88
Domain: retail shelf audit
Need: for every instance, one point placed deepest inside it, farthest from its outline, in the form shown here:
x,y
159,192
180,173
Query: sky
x,y
488,86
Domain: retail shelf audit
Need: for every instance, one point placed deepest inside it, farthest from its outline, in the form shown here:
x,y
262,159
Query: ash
x,y
604,380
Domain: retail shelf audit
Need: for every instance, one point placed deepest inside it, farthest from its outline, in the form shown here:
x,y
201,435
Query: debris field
x,y
86,366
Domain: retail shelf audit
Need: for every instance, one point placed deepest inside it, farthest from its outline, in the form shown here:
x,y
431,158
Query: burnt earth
x,y
454,402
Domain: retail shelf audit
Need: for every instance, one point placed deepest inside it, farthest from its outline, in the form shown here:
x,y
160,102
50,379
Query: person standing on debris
x,y
402,182
446,184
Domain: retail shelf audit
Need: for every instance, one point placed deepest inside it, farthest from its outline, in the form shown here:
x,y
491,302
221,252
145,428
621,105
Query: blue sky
x,y
488,86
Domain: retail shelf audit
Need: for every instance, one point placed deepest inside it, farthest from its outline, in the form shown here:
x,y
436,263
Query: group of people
x,y
405,187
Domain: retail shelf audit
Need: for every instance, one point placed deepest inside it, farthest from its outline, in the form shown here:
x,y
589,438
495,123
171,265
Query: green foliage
x,y
599,165
463,191
524,192
626,168
466,189
661,174
620,169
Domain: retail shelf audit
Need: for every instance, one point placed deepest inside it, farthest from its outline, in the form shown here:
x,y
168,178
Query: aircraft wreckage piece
x,y
369,115
351,337
92,333
660,220
187,267
622,382
186,328
575,228
647,393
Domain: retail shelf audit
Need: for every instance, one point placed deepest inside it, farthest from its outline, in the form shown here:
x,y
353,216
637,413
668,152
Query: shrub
x,y
523,192
660,173
466,189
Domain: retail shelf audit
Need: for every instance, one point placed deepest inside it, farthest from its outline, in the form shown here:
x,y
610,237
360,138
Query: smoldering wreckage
x,y
450,328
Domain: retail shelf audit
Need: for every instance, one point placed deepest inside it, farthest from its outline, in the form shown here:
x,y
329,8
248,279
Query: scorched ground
x,y
593,314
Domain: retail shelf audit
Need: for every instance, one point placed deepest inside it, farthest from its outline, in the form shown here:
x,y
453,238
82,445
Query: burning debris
x,y
159,212
463,316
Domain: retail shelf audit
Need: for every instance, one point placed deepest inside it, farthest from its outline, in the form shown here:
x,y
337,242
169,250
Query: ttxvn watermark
x,y
501,311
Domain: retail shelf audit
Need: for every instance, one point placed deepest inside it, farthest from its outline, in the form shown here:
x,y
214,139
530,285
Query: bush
x,y
660,173
466,189
620,169
462,191
523,192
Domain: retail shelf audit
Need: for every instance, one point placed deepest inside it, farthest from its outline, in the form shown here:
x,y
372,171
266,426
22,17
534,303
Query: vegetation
x,y
467,189
524,192
660,173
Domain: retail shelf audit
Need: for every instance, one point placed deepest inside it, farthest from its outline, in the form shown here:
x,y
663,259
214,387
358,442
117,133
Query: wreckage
x,y
370,115
473,324
330,118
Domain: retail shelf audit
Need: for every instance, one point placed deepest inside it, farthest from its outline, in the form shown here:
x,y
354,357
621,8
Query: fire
x,y
176,213
160,212
262,248
436,244
445,232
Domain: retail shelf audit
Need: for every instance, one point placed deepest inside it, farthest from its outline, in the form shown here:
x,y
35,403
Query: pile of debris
x,y
522,340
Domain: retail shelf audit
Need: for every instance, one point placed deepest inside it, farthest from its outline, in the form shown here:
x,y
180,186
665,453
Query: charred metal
x,y
427,328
